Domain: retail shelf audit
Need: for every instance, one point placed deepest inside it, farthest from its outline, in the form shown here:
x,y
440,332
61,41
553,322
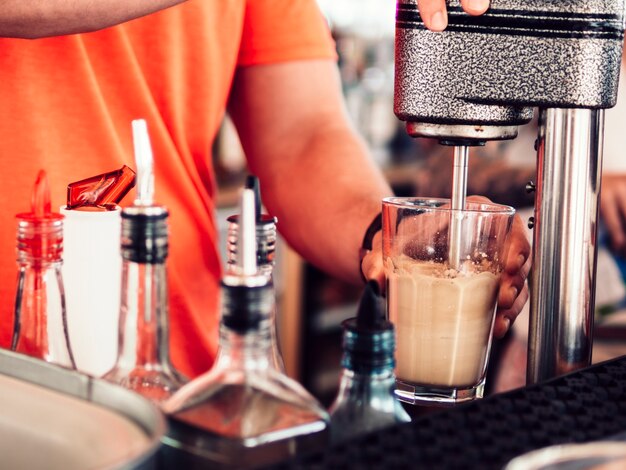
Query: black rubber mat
x,y
583,406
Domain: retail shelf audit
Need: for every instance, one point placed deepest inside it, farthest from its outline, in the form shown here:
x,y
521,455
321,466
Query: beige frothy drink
x,y
443,321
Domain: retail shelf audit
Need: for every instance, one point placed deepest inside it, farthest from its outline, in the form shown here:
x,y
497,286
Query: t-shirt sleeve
x,y
282,30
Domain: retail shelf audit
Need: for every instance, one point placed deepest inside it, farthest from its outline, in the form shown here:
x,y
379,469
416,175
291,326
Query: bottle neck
x,y
368,365
39,240
37,265
144,328
380,384
358,382
367,352
246,339
249,351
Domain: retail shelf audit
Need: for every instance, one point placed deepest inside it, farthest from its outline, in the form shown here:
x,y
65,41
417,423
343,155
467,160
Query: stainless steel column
x,y
562,280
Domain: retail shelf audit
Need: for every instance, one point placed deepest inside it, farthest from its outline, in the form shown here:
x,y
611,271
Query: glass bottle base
x,y
414,394
154,385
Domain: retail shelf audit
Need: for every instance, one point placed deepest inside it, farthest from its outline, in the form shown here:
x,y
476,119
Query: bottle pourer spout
x,y
252,182
246,245
40,202
145,164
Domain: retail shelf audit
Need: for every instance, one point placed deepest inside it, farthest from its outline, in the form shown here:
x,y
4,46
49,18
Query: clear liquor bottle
x,y
265,228
40,323
243,412
143,361
366,400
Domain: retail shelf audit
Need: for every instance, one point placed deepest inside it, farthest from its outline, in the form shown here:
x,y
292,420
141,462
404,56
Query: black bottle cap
x,y
368,340
370,314
145,234
245,307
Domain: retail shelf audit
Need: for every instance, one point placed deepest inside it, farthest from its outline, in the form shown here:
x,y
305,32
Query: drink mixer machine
x,y
482,78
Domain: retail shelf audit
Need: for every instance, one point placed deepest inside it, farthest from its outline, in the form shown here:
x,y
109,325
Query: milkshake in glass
x,y
443,309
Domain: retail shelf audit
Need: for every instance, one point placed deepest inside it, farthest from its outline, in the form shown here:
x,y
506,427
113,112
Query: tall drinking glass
x,y
442,293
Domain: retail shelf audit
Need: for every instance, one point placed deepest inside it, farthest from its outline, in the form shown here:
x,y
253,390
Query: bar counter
x,y
583,406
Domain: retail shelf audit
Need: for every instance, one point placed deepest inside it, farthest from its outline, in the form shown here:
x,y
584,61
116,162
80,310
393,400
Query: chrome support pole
x,y
562,280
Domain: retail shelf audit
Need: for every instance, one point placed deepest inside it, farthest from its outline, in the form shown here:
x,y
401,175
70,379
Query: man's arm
x,y
316,176
31,19
315,173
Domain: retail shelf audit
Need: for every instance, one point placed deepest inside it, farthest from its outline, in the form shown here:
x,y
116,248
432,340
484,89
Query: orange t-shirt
x,y
67,102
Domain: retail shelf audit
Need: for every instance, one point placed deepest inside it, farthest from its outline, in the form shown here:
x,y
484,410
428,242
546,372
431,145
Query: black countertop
x,y
583,406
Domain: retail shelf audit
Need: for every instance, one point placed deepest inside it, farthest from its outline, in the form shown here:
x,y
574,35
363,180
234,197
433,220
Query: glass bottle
x,y
243,412
366,400
40,324
143,361
265,225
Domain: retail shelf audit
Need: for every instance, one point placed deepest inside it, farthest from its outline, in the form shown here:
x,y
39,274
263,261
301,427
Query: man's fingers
x,y
518,247
506,317
510,287
373,271
518,264
512,284
475,7
372,263
479,199
434,14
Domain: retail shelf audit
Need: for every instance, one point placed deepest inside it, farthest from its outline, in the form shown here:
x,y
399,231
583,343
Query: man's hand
x,y
435,15
513,289
513,293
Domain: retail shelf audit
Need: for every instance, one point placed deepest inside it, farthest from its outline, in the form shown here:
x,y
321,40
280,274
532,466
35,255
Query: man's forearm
x,y
33,19
327,199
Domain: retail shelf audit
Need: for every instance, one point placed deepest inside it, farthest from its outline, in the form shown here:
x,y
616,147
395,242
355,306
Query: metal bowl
x,y
52,417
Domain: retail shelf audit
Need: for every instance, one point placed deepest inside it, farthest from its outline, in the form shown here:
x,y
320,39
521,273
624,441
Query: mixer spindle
x,y
459,192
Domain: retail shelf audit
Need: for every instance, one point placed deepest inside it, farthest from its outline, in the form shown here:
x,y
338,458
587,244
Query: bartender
x,y
75,73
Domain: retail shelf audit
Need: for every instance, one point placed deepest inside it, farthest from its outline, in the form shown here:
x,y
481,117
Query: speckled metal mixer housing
x,y
491,69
